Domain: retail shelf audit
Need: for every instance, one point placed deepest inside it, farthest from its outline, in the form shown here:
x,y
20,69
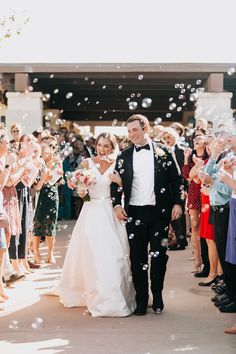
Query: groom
x,y
152,197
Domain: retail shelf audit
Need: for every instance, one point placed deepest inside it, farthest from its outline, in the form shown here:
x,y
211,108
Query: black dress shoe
x,y
158,304
223,302
219,297
230,308
221,289
209,282
203,274
176,248
140,311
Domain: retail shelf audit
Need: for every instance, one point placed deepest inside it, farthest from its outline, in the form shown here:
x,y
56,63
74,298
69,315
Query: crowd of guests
x,y
30,173
34,193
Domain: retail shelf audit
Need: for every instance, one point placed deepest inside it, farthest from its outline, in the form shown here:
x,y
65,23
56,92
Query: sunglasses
x,y
52,146
15,131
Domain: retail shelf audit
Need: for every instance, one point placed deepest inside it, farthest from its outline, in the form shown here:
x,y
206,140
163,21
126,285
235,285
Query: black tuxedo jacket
x,y
167,182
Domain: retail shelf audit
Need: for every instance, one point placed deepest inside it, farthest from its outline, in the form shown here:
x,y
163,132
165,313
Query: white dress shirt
x,y
142,192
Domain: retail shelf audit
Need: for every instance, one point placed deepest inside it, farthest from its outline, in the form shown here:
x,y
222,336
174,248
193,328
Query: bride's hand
x,y
120,213
115,178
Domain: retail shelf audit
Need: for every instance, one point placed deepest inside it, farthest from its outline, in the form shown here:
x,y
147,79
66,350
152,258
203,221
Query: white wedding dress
x,y
96,271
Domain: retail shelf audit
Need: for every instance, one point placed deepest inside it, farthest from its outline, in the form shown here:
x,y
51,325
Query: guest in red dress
x,y
207,230
189,171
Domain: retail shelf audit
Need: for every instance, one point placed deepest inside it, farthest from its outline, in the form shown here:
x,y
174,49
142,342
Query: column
x,y
25,109
215,107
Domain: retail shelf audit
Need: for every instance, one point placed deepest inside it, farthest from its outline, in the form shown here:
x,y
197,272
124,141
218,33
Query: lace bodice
x,y
101,189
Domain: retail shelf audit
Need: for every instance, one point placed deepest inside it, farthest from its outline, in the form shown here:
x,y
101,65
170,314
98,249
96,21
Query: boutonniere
x,y
160,153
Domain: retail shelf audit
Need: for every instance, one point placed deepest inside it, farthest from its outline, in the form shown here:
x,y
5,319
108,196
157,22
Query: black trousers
x,y
231,287
221,221
148,237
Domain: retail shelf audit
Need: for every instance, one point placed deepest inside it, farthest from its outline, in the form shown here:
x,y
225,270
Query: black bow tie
x,y
138,148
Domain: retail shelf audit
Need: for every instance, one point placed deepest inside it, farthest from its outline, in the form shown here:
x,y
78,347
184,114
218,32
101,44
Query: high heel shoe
x,y
214,280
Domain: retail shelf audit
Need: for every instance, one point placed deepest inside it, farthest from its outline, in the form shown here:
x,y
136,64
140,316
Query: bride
x,y
96,270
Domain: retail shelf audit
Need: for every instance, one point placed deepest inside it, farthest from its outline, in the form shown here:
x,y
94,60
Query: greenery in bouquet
x,y
80,180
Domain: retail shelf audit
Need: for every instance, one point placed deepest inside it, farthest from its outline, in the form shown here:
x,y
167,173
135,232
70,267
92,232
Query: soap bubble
x,y
131,236
13,325
231,71
38,323
158,120
164,242
137,222
146,102
140,77
172,106
69,95
133,105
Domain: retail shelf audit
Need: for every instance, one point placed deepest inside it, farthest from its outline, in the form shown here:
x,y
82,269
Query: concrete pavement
x,y
34,323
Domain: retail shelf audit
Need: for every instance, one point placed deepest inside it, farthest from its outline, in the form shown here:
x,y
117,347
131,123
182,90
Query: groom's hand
x,y
120,213
176,212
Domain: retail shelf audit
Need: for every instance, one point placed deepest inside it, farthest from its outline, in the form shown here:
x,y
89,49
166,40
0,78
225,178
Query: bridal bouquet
x,y
80,180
